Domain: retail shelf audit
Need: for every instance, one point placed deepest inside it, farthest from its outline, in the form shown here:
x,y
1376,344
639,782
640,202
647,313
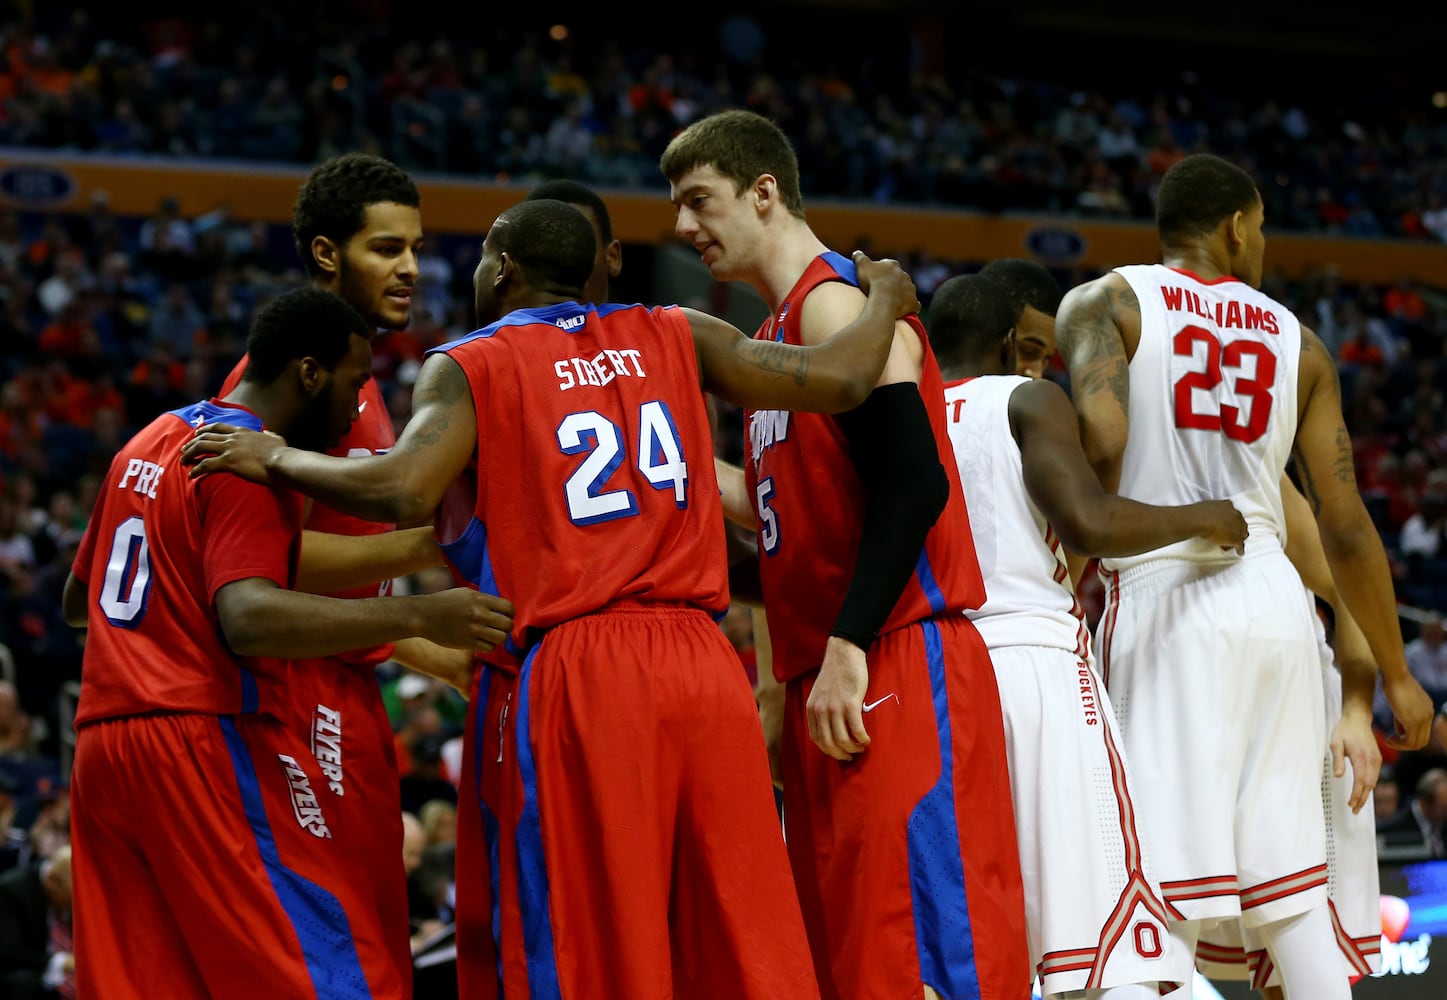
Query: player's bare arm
x,y
833,375
769,694
1352,739
896,456
75,602
258,618
1089,330
1322,453
454,667
330,563
1088,520
734,492
402,486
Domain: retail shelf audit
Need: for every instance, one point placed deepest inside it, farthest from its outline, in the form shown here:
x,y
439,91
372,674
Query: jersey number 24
x,y
659,459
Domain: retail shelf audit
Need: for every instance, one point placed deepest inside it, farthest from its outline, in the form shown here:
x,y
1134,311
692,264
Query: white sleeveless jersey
x,y
1028,600
1212,402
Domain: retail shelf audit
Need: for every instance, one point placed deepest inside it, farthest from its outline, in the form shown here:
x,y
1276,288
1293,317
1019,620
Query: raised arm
x,y
402,486
829,377
1088,331
1087,519
1323,455
331,563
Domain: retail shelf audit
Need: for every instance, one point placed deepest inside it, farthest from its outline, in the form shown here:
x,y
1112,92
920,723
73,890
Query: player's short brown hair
x,y
742,146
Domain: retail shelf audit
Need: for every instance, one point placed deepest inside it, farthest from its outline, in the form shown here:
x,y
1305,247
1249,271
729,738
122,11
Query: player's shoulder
x,y
1032,397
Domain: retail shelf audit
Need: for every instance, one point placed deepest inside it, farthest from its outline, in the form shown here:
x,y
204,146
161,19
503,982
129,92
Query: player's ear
x,y
507,272
311,375
1007,349
326,254
614,255
765,191
1236,231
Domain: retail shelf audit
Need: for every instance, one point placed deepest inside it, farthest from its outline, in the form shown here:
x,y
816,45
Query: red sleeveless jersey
x,y
593,480
158,547
810,507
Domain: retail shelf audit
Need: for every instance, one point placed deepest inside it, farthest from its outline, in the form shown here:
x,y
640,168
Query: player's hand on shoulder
x,y
462,618
835,709
1224,525
223,448
886,277
1411,708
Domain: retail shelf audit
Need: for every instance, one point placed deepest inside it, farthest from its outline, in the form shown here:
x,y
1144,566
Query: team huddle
x,y
977,793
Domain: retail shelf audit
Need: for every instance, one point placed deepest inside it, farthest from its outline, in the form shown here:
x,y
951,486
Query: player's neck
x,y
1204,262
789,254
958,371
262,400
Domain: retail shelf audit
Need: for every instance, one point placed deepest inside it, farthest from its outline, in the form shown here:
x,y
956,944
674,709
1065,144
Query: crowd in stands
x,y
599,103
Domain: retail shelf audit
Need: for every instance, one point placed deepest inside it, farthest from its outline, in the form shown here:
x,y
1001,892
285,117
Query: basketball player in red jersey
x,y
636,846
1190,383
358,228
867,569
204,857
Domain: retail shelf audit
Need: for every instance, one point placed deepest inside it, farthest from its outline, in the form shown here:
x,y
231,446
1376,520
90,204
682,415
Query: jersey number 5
x,y
127,582
660,460
1255,387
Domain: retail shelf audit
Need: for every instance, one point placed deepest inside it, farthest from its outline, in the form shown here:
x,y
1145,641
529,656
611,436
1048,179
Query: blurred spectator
x,y
426,781
1422,532
439,821
36,948
1427,658
1423,821
167,242
18,736
1387,798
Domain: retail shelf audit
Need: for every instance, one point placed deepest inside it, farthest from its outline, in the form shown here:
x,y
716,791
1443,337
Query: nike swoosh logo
x,y
871,706
362,406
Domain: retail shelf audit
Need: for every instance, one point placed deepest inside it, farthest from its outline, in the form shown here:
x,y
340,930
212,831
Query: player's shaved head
x,y
969,317
551,240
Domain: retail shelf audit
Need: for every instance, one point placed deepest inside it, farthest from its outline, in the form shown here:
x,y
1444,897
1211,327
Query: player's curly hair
x,y
741,145
1197,193
333,201
305,322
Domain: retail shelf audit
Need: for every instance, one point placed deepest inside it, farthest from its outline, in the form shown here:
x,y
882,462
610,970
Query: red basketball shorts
x,y
339,713
905,858
205,865
635,849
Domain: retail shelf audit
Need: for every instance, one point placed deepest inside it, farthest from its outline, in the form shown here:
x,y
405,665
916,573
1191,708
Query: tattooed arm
x,y
1323,456
829,377
1089,329
404,485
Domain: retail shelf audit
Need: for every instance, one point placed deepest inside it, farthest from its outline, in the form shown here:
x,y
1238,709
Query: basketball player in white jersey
x,y
1190,383
1093,911
1349,678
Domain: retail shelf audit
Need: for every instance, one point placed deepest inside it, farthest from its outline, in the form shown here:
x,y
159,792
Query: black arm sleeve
x,y
892,445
